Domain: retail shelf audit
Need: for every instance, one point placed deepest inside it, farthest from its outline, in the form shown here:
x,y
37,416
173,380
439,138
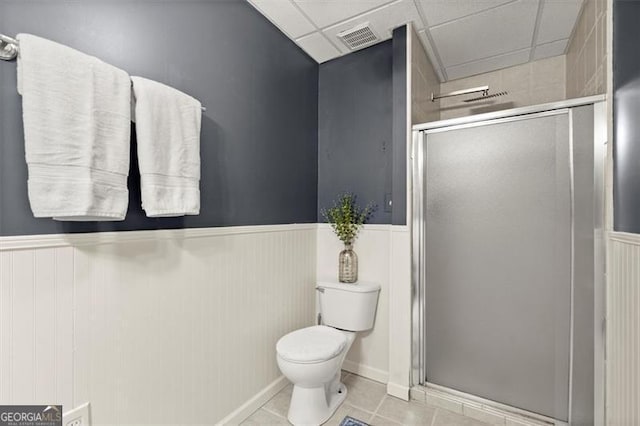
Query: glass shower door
x,y
497,229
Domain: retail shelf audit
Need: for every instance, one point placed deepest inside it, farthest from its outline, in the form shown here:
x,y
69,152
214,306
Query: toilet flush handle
x,y
320,289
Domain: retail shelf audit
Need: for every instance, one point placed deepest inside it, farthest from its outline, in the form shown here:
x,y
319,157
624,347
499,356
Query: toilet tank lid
x,y
358,287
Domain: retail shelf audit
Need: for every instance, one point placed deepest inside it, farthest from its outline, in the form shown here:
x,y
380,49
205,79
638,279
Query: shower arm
x,y
483,89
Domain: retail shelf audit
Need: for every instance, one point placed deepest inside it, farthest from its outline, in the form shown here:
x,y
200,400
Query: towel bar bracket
x,y
8,48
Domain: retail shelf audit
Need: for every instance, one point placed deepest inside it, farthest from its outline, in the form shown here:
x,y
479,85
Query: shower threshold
x,y
479,408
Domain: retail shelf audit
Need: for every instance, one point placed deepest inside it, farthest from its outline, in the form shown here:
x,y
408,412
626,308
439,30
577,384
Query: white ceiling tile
x,y
558,19
464,37
489,64
440,11
382,21
492,32
431,54
555,48
285,16
318,47
328,12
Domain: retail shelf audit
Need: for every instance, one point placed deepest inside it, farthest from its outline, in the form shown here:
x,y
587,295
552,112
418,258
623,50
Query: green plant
x,y
346,218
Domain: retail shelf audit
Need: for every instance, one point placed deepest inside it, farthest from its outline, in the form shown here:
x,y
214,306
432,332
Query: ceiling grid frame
x,y
318,29
451,16
534,40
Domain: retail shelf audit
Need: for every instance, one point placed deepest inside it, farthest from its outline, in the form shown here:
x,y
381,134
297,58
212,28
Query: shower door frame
x,y
418,359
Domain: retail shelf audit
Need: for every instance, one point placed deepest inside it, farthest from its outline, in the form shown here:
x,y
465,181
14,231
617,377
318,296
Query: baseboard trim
x,y
366,371
258,400
398,391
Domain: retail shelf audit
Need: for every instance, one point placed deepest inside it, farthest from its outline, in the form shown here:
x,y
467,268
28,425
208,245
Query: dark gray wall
x,y
355,129
259,134
626,107
362,129
399,215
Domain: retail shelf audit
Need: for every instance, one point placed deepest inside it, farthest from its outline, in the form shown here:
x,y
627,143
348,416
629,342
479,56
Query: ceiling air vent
x,y
358,36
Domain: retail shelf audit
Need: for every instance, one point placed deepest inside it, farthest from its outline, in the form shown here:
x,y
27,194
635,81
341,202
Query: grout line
x,y
270,412
489,57
435,415
387,418
375,412
357,407
395,422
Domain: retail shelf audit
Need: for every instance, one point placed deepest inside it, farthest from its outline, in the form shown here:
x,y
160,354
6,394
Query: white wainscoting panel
x,y
369,355
36,326
623,330
173,327
400,313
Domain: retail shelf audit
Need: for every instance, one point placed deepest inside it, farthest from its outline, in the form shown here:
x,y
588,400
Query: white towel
x,y
168,134
77,125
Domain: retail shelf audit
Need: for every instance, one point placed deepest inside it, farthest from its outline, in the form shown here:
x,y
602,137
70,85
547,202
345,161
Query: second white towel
x,y
168,135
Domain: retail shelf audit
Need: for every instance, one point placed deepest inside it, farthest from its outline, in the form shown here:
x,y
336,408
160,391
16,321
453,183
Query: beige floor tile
x,y
344,375
447,418
262,417
348,410
407,413
483,415
444,402
379,421
364,393
279,404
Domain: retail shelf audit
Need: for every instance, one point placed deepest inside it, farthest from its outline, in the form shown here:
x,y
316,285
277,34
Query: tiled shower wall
x,y
532,83
587,52
581,72
424,81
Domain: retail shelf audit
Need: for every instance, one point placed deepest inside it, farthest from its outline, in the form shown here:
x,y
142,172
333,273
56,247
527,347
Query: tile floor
x,y
367,401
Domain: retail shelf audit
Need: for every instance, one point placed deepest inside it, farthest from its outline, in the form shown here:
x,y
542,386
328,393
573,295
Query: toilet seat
x,y
314,344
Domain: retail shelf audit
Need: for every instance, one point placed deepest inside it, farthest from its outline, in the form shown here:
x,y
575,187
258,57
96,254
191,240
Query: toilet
x,y
311,358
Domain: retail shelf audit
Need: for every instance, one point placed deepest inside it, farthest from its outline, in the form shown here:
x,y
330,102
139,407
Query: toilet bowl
x,y
312,357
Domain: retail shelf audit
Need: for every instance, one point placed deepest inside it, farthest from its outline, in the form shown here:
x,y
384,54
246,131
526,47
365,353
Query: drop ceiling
x,y
461,37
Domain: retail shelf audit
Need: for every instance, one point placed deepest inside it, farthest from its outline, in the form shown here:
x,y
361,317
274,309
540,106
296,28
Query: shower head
x,y
486,95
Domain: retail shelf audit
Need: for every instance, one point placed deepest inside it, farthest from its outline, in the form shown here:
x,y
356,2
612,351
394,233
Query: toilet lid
x,y
312,344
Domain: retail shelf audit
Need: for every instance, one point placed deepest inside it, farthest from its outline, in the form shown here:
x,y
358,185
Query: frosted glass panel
x,y
498,256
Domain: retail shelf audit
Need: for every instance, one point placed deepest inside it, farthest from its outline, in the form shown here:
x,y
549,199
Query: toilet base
x,y
314,406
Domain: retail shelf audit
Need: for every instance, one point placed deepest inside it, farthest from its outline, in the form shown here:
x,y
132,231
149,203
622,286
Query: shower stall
x,y
508,260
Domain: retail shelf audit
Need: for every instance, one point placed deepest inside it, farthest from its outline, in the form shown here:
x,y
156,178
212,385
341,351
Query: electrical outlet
x,y
79,416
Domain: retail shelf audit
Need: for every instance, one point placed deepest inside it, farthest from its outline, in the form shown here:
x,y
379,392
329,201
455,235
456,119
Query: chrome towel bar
x,y
9,48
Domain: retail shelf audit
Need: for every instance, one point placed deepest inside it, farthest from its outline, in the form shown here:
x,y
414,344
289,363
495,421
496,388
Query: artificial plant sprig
x,y
346,218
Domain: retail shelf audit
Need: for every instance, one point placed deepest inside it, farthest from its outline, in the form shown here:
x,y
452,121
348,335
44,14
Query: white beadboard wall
x,y
623,330
378,261
173,327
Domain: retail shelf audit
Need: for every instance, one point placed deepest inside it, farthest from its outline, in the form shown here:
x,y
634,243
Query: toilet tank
x,y
348,306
